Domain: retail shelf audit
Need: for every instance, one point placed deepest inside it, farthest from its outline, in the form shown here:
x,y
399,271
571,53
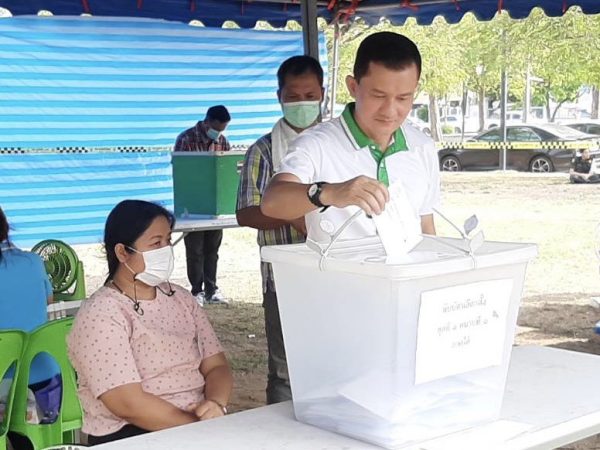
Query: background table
x,y
192,223
552,398
58,310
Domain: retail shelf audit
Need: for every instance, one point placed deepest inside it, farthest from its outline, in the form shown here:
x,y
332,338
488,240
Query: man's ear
x,y
122,253
279,96
352,85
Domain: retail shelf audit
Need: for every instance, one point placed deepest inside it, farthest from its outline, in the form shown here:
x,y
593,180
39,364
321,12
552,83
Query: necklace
x,y
136,305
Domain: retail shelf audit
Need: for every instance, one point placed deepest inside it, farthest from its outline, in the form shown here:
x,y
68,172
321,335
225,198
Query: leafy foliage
x,y
563,51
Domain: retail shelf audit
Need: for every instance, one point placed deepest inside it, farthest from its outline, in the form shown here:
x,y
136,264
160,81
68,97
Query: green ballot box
x,y
206,183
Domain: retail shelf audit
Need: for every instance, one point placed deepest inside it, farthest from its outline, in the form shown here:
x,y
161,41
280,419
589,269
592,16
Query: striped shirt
x,y
254,178
195,139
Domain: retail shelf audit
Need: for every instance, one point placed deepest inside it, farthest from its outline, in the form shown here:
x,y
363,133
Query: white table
x,y
193,222
551,394
58,310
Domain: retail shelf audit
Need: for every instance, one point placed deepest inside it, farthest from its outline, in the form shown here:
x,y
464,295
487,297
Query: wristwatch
x,y
314,194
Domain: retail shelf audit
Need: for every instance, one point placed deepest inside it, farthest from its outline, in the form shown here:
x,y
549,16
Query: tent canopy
x,y
277,12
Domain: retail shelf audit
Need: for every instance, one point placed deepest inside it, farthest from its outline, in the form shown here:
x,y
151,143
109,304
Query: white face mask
x,y
158,264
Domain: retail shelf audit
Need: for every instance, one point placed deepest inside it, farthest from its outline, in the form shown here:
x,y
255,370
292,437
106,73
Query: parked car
x,y
512,117
588,127
454,122
536,148
420,125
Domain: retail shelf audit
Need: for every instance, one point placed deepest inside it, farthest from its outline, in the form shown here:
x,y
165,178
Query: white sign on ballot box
x,y
461,328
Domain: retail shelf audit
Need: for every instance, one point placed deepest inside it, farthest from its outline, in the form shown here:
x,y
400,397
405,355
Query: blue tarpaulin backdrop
x,y
114,93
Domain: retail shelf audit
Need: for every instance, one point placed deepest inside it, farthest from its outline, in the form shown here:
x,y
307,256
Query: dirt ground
x,y
544,209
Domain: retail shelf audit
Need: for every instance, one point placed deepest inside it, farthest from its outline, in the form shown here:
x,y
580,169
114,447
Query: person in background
x,y
145,353
581,169
300,93
202,247
25,293
337,167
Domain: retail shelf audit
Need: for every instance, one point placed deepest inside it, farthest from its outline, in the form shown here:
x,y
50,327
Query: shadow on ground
x,y
560,320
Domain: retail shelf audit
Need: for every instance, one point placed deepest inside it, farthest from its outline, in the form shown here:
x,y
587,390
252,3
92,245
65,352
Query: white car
x,y
421,125
585,126
454,122
512,118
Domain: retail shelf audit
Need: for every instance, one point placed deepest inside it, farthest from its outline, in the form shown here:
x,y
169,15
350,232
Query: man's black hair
x,y
299,65
392,50
218,113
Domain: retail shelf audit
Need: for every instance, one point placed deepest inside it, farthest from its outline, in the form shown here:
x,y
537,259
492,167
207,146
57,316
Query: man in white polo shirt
x,y
337,167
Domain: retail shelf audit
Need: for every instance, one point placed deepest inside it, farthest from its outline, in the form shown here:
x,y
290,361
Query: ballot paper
x,y
398,226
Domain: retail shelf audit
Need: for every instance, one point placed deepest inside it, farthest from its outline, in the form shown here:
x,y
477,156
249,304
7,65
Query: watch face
x,y
312,190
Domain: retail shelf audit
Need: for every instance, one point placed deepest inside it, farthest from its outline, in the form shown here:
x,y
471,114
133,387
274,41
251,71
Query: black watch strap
x,y
314,195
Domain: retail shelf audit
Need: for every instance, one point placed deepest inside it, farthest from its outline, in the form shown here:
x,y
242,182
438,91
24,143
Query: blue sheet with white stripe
x,y
67,196
100,87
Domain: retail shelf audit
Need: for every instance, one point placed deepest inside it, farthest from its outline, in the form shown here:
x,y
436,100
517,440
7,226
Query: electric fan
x,y
64,269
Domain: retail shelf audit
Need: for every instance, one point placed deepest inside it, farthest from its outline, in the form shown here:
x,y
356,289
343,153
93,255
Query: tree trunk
x,y
481,106
434,122
463,110
556,110
548,106
595,99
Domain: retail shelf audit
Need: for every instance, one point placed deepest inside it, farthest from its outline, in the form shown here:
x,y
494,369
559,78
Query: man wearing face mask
x,y
300,94
202,247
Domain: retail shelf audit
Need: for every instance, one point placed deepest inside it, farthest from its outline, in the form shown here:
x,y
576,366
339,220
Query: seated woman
x,y
145,353
25,292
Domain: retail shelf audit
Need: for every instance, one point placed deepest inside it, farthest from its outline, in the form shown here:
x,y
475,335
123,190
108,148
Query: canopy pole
x,y
503,111
504,98
334,69
309,28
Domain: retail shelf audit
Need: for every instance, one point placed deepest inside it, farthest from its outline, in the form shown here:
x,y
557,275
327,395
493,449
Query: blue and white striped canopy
x,y
277,12
90,109
70,82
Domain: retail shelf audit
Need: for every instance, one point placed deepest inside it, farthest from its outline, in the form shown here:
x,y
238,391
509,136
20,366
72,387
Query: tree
x,y
556,53
471,56
442,72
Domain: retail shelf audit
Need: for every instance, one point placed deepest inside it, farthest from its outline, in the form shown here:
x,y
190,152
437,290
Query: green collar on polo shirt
x,y
361,140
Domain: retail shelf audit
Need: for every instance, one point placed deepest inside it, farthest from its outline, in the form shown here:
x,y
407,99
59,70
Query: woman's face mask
x,y
158,264
301,114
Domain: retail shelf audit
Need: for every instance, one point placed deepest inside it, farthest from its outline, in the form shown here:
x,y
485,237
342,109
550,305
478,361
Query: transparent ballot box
x,y
397,353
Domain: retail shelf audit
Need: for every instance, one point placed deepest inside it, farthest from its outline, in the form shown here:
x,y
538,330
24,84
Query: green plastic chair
x,y
49,338
12,343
